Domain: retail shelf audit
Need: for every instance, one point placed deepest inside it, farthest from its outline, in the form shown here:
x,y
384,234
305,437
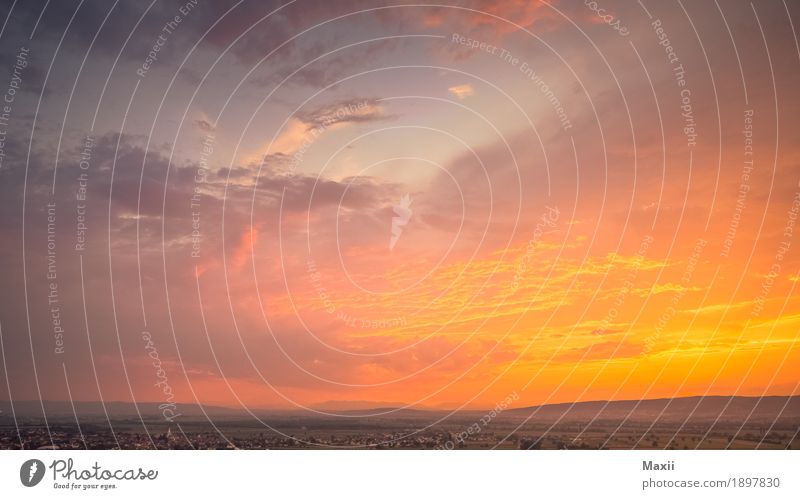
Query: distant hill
x,y
693,409
354,405
675,409
116,410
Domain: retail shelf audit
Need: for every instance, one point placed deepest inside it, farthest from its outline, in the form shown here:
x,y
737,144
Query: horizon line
x,y
321,406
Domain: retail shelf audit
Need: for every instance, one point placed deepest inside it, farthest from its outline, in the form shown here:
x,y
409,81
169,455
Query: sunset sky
x,y
328,205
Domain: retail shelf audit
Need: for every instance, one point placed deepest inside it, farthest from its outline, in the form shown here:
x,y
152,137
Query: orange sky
x,y
590,215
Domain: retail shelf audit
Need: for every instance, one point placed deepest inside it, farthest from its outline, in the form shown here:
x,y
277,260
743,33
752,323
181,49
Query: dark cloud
x,y
144,213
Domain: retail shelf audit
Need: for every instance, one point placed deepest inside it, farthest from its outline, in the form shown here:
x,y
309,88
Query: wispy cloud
x,y
462,91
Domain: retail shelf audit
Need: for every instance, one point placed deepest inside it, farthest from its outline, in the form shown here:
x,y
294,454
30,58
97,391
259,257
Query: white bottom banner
x,y
357,474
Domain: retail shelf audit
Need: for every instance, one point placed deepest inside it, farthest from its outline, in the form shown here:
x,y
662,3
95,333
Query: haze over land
x,y
692,422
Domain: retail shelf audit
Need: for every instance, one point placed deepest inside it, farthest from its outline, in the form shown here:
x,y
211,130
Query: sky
x,y
330,205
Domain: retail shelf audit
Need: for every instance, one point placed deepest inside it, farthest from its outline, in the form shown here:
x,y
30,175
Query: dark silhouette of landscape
x,y
714,422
